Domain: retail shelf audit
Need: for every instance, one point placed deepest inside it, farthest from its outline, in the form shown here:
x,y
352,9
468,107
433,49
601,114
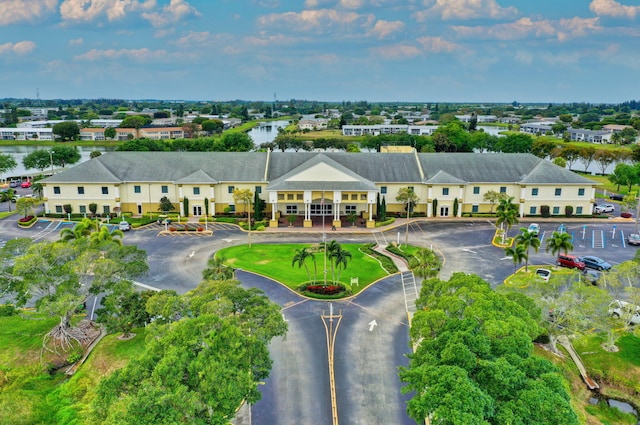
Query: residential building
x,y
309,185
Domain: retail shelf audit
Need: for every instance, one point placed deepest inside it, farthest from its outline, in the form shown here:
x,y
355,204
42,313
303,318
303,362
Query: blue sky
x,y
327,50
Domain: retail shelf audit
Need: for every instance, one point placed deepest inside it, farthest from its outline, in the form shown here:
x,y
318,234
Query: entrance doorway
x,y
197,210
444,211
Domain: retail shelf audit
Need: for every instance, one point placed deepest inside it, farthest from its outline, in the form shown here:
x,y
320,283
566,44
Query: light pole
x,y
51,159
324,239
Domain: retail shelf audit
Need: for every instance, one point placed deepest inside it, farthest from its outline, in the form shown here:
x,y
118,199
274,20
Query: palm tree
x,y
507,217
104,235
8,196
342,257
37,189
217,270
425,263
300,258
330,250
79,231
517,254
507,213
559,242
528,240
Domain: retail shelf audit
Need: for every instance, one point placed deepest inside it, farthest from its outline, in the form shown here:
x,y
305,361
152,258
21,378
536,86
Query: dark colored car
x,y
595,263
616,197
591,276
570,261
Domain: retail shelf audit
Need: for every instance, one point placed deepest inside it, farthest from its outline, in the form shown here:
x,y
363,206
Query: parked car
x,y
596,263
561,228
604,208
616,197
628,312
124,226
633,239
534,228
626,215
570,261
544,274
591,276
26,184
14,183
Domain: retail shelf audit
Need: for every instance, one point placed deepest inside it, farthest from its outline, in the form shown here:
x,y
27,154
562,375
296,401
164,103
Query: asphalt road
x,y
366,356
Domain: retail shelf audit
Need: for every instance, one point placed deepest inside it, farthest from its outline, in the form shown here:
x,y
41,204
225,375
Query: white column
x,y
274,206
370,212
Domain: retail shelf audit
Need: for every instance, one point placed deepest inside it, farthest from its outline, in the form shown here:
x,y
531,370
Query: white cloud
x,y
25,10
175,11
352,4
138,55
437,45
76,42
325,20
384,28
19,48
89,10
525,27
613,8
396,51
466,9
524,56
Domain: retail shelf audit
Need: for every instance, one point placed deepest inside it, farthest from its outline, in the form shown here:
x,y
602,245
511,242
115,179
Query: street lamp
x,y
51,152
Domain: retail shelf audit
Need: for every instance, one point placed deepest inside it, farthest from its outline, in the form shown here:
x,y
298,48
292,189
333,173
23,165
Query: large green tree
x,y
7,163
38,159
199,365
473,362
64,155
67,130
559,242
60,276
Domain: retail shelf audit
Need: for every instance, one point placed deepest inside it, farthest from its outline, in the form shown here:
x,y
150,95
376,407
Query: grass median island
x,y
275,262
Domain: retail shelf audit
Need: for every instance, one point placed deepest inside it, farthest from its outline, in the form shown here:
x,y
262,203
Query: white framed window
x,y
350,209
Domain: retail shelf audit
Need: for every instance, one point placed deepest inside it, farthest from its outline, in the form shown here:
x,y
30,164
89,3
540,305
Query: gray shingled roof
x,y
375,167
284,182
167,167
498,168
370,168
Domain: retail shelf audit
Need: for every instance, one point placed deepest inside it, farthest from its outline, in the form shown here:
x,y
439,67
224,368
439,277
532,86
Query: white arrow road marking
x,y
468,250
192,254
228,240
372,324
506,258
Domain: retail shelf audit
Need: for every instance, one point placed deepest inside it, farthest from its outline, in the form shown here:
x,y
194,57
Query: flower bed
x,y
27,221
325,289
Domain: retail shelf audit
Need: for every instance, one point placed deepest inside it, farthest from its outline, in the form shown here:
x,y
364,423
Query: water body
x,y
20,151
266,132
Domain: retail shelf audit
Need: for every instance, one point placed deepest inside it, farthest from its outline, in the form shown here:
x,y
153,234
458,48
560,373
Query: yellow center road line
x,y
330,332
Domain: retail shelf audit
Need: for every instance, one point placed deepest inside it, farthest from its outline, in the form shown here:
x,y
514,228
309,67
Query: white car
x,y
124,226
626,311
534,228
543,274
604,208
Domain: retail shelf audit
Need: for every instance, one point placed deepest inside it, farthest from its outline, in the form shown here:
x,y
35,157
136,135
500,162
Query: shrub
x,y
7,310
568,211
545,211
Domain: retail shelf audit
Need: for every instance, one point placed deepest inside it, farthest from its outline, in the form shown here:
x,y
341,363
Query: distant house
x,y
535,127
592,136
313,124
377,129
481,118
615,128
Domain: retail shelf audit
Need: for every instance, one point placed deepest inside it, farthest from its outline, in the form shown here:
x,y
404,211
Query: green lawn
x,y
274,261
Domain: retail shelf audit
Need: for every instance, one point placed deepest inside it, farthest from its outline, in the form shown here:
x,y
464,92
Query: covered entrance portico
x,y
321,187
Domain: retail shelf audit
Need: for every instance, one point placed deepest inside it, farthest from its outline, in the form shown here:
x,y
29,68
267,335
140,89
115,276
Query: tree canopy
x,y
473,362
201,361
